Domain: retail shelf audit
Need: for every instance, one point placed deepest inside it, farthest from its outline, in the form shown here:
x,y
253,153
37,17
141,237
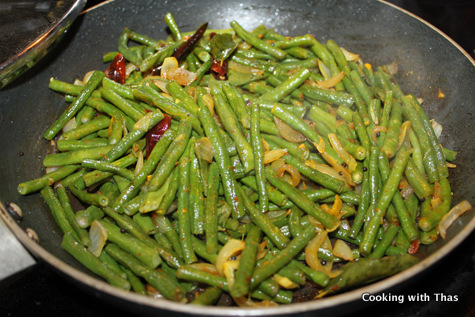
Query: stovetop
x,y
450,284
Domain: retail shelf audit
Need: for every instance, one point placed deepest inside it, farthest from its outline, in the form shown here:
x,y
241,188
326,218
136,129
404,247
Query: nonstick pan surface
x,y
380,33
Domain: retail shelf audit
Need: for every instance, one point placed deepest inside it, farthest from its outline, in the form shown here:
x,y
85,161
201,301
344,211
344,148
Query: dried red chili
x,y
156,133
116,70
219,69
414,247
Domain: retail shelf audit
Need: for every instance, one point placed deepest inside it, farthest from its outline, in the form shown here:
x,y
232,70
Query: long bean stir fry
x,y
243,165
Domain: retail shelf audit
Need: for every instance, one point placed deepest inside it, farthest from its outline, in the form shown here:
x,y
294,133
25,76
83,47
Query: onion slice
x,y
287,132
98,236
452,215
231,248
273,155
343,251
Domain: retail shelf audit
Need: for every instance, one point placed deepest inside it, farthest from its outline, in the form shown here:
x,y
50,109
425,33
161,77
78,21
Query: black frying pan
x,y
380,33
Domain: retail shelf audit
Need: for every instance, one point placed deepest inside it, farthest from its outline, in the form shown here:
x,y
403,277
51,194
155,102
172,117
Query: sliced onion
x,y
52,169
452,215
337,205
345,156
343,251
205,267
231,248
98,236
324,69
209,102
316,223
293,171
87,76
204,149
71,124
285,282
376,130
229,267
437,128
405,127
272,155
182,76
287,132
129,68
139,164
78,82
162,84
325,169
331,82
143,123
340,169
350,56
168,64
262,250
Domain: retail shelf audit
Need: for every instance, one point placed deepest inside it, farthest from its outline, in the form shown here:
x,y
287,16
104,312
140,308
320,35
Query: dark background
x,y
40,291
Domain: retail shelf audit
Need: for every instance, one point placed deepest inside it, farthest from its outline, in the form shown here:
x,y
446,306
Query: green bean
x,y
209,297
273,194
68,212
302,127
222,158
417,180
302,201
387,194
170,20
429,152
128,53
159,56
184,225
231,126
48,179
264,223
85,217
430,221
247,263
96,199
406,220
394,125
361,86
177,92
91,262
196,195
57,211
236,101
326,95
450,155
287,86
139,249
256,42
283,257
97,176
369,269
166,285
389,235
149,95
166,228
303,40
111,110
318,277
73,145
77,104
123,90
140,128
108,167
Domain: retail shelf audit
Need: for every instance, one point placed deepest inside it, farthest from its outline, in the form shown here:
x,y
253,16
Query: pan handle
x,y
15,258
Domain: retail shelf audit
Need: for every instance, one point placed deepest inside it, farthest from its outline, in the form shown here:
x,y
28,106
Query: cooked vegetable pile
x,y
243,167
